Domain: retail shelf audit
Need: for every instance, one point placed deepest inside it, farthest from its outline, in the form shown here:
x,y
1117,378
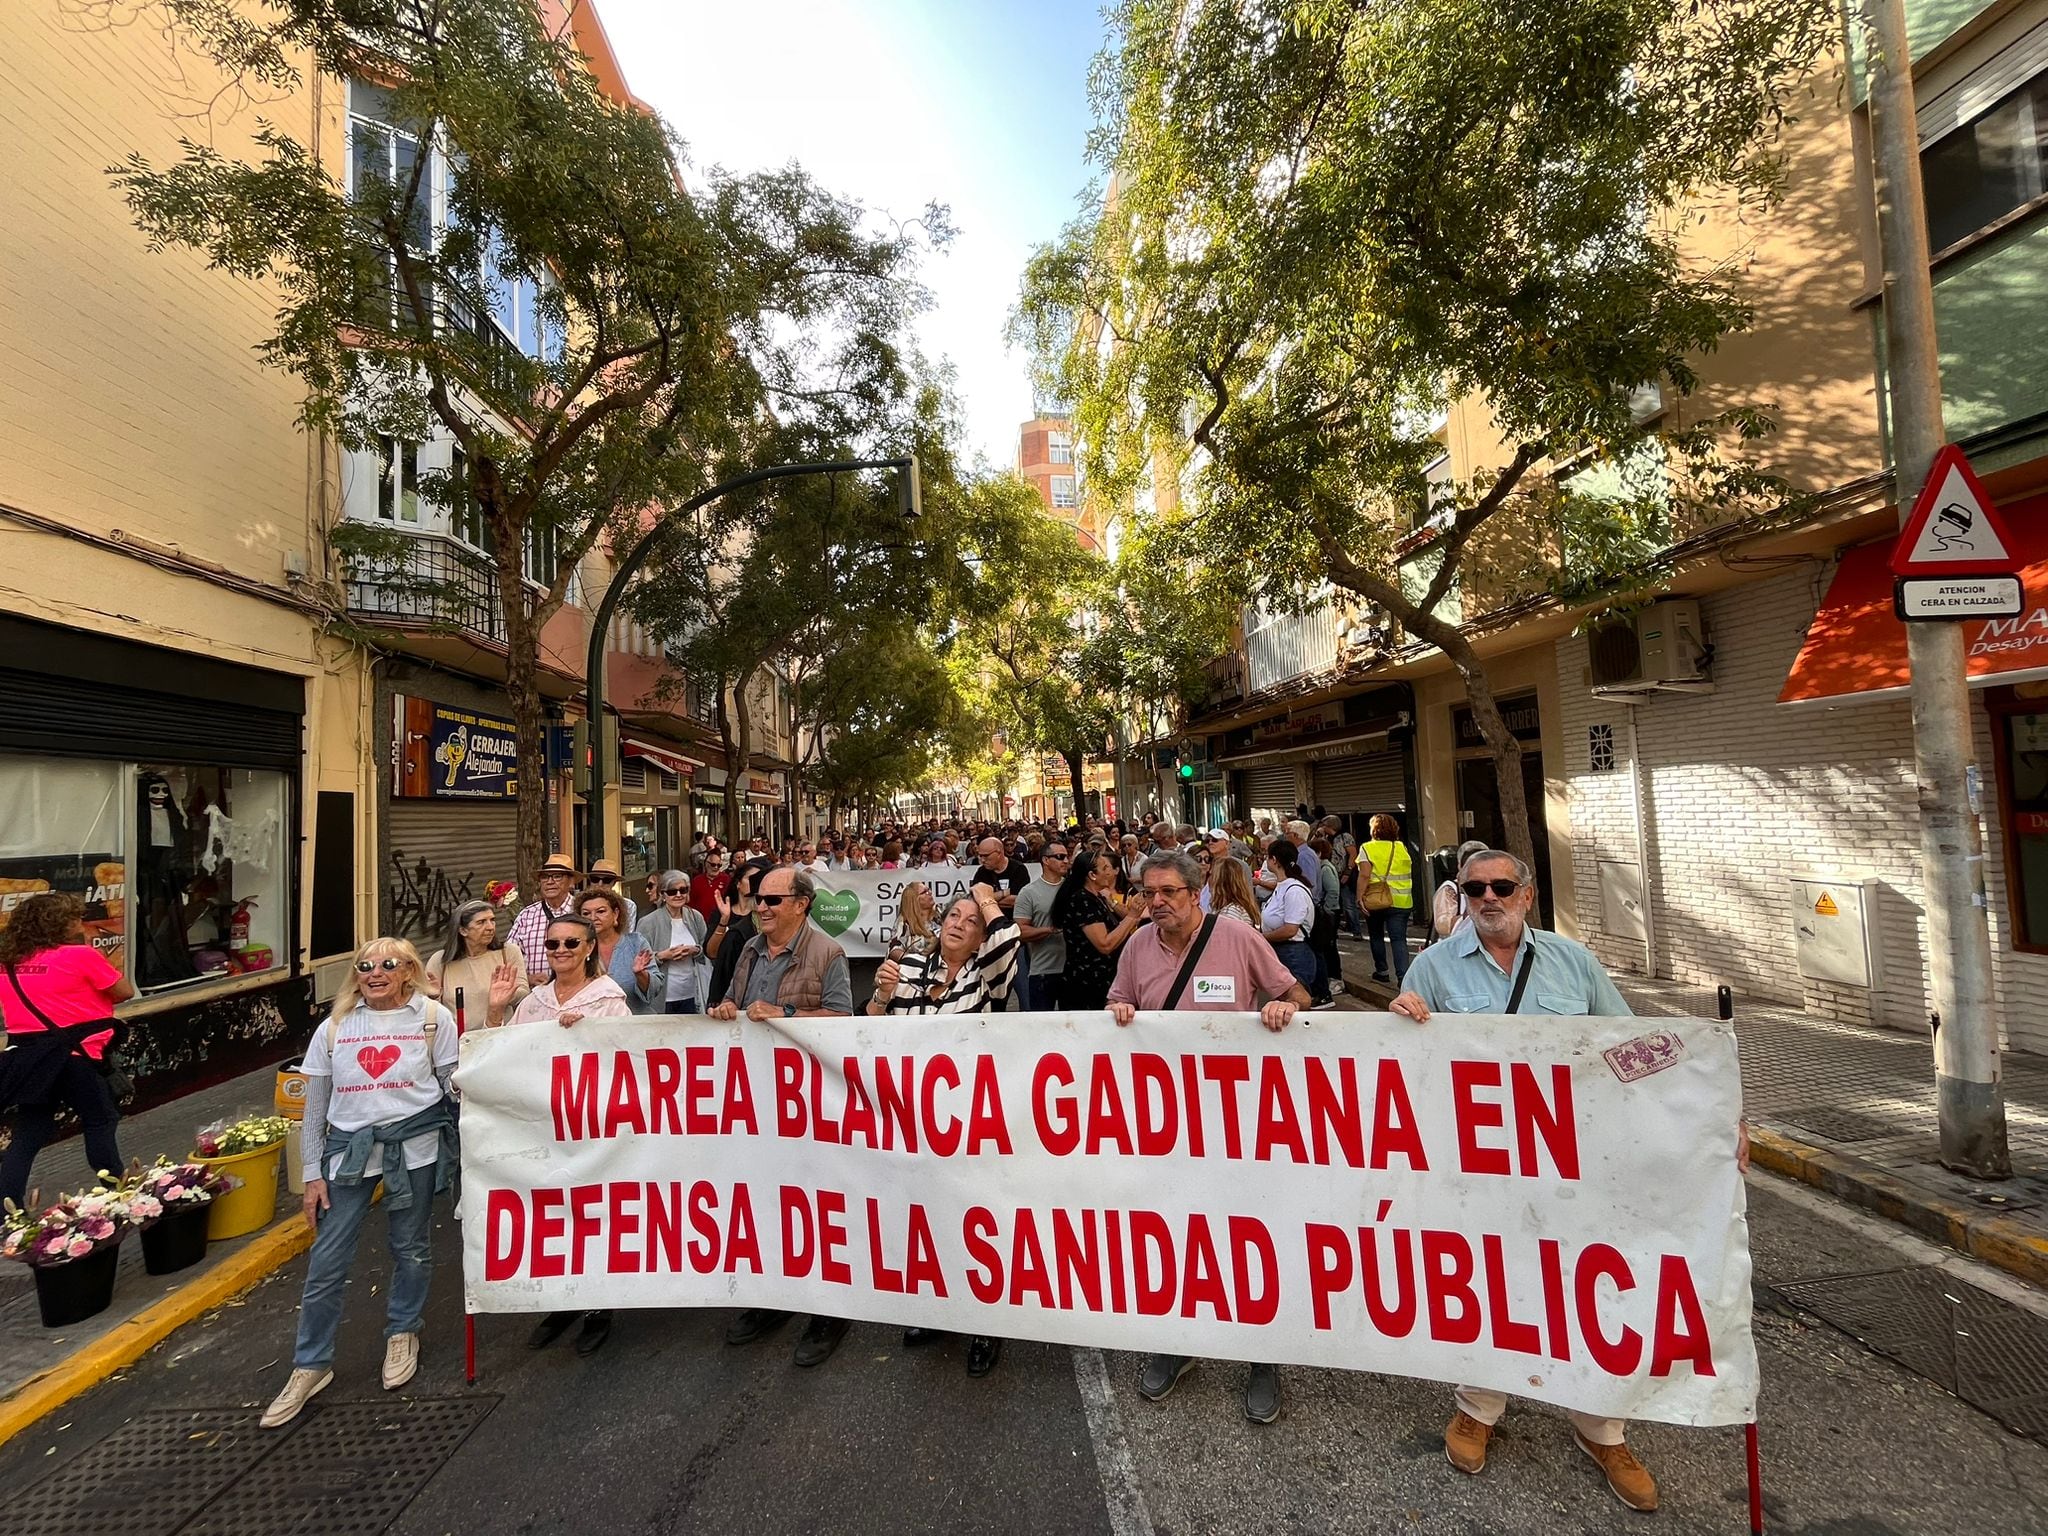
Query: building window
x,y
1600,747
1988,167
398,481
384,156
1061,447
1063,491
183,869
2023,788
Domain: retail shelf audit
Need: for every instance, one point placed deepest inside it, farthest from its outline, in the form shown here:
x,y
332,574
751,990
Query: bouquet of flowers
x,y
225,1138
166,1187
77,1225
501,893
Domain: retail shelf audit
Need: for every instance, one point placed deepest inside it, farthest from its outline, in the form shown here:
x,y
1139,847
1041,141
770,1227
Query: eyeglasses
x,y
604,879
677,890
1478,888
1154,892
772,901
388,963
552,945
554,874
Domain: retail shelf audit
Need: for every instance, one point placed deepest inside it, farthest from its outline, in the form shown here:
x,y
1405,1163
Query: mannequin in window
x,y
164,874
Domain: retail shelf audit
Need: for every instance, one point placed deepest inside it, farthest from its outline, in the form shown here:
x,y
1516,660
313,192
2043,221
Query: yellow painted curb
x,y
141,1333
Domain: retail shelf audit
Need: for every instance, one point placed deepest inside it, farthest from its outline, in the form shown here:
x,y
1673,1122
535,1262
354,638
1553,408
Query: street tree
x,y
678,315
1326,222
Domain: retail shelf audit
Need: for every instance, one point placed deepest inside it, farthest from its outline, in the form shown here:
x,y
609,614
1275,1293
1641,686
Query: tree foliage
x,y
694,321
1327,221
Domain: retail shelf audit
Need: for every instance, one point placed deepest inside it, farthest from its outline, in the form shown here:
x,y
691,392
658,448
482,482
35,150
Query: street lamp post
x,y
910,494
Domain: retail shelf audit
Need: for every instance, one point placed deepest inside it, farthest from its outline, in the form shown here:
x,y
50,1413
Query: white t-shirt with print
x,y
380,1073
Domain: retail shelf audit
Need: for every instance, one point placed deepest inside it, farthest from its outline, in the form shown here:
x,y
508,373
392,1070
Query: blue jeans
x,y
1045,993
1348,891
1390,924
1300,958
334,1249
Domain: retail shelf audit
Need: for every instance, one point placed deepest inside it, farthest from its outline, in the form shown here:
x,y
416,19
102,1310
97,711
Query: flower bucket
x,y
289,1098
77,1289
250,1207
176,1240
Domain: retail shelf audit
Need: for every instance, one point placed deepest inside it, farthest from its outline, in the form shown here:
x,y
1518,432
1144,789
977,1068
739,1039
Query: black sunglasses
x,y
677,890
772,901
388,963
554,944
1477,888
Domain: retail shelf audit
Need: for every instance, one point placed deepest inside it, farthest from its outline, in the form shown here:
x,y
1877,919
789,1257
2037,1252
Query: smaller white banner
x,y
858,907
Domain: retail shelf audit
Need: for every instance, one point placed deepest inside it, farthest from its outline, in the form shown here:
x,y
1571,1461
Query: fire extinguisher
x,y
238,925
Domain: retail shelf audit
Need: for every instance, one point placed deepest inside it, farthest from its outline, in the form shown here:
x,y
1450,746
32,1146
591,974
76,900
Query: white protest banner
x,y
1545,1206
858,906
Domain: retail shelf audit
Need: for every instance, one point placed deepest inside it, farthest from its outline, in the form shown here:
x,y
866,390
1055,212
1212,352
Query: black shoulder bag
x,y
1521,980
1187,966
111,1064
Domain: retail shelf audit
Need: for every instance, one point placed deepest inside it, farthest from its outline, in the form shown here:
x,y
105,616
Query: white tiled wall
x,y
1741,792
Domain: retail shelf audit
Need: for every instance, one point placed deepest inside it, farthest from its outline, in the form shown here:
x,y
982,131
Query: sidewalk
x,y
41,1367
1851,1111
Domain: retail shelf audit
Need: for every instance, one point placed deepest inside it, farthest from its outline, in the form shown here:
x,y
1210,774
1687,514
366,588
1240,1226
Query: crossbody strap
x,y
1522,978
1187,966
29,1002
80,1030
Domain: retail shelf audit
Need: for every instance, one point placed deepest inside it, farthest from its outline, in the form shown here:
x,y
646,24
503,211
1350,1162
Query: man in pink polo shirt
x,y
1234,971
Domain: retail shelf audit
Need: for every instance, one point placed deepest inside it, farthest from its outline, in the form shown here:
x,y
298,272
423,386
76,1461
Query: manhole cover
x,y
145,1479
350,1468
1988,1352
1847,1125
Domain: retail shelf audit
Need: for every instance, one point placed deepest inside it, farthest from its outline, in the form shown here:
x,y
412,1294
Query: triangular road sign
x,y
1954,530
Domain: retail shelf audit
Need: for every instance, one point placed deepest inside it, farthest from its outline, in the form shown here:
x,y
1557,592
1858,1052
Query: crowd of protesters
x,y
1119,917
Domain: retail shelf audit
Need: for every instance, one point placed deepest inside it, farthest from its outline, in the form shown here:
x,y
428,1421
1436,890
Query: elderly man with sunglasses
x,y
1502,965
789,969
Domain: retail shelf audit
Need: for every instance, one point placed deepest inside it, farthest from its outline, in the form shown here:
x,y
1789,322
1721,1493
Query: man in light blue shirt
x,y
1311,862
1481,970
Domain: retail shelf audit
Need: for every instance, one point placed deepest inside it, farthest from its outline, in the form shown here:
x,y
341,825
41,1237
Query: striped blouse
x,y
982,984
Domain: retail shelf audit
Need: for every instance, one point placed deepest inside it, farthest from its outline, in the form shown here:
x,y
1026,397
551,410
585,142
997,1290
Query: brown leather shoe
x,y
1629,1478
1465,1442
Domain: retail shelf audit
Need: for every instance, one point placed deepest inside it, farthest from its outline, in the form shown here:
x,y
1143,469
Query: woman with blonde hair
x,y
917,919
377,1111
1230,891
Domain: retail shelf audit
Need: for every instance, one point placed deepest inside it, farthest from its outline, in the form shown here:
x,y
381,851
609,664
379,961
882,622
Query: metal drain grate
x,y
1989,1353
1850,1125
145,1479
344,1468
350,1470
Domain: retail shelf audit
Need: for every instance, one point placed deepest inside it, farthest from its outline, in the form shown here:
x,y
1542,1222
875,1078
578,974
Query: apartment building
x,y
1721,780
247,754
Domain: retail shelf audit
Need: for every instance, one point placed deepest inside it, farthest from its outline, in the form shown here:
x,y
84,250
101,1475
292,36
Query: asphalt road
x,y
669,1430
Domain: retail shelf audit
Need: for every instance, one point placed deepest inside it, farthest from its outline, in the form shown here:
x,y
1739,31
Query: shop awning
x,y
1855,649
667,759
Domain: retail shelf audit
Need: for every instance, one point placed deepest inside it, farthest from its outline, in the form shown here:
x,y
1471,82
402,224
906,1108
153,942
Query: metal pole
x,y
1636,793
1968,1091
601,620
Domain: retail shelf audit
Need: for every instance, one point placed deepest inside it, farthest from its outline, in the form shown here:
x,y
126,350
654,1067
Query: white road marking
x,y
1905,1242
1123,1495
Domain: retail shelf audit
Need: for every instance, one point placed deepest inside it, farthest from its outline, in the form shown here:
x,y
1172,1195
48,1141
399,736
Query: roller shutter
x,y
1269,790
460,842
1361,785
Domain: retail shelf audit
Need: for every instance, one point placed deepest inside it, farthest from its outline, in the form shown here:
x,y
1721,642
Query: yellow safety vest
x,y
1399,872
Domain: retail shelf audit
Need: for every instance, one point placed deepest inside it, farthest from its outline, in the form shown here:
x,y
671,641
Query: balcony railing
x,y
1288,645
435,582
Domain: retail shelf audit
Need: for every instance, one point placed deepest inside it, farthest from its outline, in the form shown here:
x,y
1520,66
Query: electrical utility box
x,y
1835,922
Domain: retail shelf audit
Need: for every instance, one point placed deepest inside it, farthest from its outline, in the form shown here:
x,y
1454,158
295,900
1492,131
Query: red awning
x,y
672,763
1855,649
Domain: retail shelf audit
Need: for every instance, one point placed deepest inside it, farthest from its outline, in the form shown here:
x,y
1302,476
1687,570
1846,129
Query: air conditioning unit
x,y
1662,646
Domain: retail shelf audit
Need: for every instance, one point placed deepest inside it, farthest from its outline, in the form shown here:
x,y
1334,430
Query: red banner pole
x,y
1756,1480
468,1317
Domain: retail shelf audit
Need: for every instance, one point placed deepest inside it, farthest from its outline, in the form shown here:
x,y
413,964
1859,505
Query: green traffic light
x,y
1187,770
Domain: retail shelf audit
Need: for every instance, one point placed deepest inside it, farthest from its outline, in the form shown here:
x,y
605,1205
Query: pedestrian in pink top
x,y
1187,961
58,998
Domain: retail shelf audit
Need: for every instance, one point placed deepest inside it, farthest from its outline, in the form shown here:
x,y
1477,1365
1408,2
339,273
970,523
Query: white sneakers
x,y
401,1360
299,1390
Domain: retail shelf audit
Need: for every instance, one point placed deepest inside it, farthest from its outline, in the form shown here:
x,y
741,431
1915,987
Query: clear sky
x,y
979,104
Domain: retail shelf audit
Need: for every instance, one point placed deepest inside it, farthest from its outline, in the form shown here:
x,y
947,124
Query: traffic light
x,y
602,765
1187,770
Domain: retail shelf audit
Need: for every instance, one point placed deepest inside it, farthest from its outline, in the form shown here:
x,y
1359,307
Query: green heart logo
x,y
834,911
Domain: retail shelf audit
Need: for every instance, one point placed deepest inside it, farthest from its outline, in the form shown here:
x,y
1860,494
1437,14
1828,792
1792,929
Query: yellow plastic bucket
x,y
249,1208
